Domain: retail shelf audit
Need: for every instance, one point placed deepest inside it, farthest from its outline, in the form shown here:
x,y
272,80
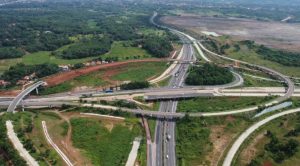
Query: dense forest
x,y
86,47
20,70
47,26
10,52
279,56
159,46
208,74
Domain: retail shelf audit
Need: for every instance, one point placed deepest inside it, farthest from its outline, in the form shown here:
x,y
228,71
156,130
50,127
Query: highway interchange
x,y
164,143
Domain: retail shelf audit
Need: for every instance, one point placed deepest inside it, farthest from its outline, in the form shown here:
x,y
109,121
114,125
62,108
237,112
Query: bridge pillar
x,y
22,105
37,91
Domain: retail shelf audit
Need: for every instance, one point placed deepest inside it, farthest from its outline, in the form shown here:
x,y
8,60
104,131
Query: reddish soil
x,y
10,93
65,76
267,163
230,118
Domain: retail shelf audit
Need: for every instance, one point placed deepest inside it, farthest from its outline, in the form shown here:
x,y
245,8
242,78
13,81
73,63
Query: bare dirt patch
x,y
274,34
251,150
10,93
220,142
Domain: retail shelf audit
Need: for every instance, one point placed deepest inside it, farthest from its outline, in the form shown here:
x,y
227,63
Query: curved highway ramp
x,y
19,98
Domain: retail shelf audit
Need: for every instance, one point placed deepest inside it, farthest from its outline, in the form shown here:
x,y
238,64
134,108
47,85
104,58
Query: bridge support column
x,y
37,91
22,105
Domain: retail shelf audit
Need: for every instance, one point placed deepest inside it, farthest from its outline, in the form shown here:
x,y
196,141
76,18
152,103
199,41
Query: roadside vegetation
x,y
276,143
208,74
254,82
280,60
8,155
202,141
102,145
119,103
219,104
140,71
28,127
135,85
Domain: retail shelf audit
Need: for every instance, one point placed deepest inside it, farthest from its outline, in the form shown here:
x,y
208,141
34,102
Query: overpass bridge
x,y
15,102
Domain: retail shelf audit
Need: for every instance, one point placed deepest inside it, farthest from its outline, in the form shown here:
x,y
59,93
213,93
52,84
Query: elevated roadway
x,y
21,96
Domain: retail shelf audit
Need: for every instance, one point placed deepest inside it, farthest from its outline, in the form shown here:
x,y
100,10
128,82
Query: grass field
x,y
91,80
252,82
215,104
250,56
117,50
130,72
103,146
123,52
140,71
258,140
202,141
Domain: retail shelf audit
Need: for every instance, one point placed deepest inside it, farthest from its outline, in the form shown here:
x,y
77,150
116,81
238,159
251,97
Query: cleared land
x,y
274,34
65,76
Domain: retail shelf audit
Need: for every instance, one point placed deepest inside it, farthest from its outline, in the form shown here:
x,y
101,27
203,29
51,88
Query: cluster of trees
x,y
119,103
249,43
86,47
135,85
10,52
8,154
208,74
281,150
17,72
279,56
192,139
158,46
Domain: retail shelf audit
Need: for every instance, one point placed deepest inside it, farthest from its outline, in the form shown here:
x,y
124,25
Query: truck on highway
x,y
168,136
108,91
